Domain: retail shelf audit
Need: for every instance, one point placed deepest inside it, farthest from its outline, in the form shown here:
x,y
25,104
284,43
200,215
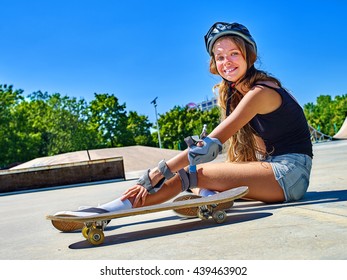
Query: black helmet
x,y
220,29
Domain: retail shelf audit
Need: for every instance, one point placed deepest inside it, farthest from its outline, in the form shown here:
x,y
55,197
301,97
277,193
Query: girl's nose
x,y
228,61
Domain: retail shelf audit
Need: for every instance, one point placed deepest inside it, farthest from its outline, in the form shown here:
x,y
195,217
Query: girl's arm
x,y
259,100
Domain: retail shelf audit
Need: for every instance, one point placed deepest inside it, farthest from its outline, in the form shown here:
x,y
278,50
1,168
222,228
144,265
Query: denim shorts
x,y
292,172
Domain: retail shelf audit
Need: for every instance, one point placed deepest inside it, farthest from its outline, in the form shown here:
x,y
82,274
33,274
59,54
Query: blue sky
x,y
139,50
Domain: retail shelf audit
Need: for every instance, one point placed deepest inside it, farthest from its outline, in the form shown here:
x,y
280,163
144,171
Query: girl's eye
x,y
219,58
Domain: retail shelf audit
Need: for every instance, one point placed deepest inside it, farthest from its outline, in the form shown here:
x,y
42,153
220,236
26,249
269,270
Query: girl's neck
x,y
240,88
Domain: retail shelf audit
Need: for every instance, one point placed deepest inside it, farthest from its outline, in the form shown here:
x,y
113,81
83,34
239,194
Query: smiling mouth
x,y
230,70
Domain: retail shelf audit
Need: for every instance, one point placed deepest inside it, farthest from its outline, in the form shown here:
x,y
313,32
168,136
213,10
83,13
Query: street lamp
x,y
154,102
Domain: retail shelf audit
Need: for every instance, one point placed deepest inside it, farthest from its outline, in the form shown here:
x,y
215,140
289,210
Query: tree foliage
x,y
139,129
181,122
9,99
109,119
328,114
43,124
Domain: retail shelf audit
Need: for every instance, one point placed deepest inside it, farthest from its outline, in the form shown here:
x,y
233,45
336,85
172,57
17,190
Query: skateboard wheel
x,y
85,231
219,216
96,236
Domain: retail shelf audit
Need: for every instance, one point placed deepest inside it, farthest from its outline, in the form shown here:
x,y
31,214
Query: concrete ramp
x,y
73,157
342,133
136,158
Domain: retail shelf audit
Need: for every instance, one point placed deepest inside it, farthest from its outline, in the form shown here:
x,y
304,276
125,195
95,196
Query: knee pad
x,y
189,180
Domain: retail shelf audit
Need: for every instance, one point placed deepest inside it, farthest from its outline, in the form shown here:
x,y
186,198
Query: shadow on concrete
x,y
164,219
194,225
325,196
310,198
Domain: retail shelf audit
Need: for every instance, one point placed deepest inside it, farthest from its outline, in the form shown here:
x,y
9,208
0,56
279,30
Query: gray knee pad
x,y
189,180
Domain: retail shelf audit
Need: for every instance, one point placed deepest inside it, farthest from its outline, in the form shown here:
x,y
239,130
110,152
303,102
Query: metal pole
x,y
154,102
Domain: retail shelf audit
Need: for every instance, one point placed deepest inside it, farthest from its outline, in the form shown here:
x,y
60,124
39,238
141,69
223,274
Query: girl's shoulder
x,y
266,95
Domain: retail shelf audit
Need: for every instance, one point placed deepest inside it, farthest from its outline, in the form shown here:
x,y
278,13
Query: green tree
x,y
139,126
327,114
109,119
70,131
9,99
181,122
52,124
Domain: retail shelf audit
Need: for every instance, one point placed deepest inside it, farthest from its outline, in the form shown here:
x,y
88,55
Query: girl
x,y
263,127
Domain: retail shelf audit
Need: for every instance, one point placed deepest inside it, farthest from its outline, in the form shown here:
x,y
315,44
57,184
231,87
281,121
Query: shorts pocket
x,y
298,189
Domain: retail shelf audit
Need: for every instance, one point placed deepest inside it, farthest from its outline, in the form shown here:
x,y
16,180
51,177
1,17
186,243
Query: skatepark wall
x,y
83,167
37,177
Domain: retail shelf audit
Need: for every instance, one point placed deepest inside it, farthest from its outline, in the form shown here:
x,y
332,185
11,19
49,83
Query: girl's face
x,y
230,63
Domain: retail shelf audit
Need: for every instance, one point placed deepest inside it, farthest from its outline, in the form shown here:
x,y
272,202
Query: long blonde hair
x,y
242,146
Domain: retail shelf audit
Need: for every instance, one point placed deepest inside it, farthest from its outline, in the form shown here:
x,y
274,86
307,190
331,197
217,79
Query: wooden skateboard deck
x,y
94,225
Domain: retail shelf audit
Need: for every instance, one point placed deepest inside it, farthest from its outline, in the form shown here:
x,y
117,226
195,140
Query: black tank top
x,y
284,130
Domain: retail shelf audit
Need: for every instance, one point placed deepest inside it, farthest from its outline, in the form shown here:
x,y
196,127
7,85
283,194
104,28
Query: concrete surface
x,y
312,229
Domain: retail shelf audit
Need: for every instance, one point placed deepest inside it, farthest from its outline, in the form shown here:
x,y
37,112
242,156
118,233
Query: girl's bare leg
x,y
170,189
258,176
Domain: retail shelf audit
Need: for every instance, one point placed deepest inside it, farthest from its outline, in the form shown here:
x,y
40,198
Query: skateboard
x,y
94,225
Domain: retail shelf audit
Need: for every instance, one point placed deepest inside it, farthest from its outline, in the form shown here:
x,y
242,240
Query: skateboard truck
x,y
94,231
206,211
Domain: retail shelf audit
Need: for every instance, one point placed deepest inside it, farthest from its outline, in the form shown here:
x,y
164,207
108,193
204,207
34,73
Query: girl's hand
x,y
137,195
